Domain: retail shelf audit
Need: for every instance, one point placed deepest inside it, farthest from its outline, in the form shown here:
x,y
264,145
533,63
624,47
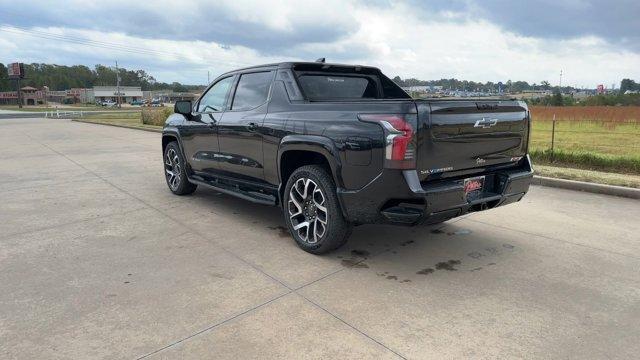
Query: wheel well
x,y
166,139
293,159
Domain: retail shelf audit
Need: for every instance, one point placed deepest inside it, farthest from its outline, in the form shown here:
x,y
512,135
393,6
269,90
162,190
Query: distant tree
x,y
177,87
628,84
5,84
519,86
556,99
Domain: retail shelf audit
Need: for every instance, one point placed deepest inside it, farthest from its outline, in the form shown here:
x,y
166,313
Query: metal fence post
x,y
553,135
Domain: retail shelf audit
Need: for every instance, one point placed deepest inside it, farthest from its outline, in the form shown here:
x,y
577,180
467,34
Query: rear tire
x,y
175,170
312,211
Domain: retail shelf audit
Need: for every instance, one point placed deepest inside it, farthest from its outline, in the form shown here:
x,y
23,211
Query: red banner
x,y
8,95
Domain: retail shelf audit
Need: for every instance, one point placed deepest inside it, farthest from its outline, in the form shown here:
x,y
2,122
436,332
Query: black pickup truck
x,y
341,145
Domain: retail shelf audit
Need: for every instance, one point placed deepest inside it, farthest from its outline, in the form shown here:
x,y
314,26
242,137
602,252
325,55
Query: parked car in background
x,y
338,145
137,103
108,103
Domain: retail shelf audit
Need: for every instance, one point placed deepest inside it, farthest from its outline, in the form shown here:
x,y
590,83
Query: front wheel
x,y
312,212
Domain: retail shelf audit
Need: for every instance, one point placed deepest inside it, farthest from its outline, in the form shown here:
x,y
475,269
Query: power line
x,y
88,42
106,45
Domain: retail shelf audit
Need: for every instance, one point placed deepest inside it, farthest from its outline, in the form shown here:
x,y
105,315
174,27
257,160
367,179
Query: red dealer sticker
x,y
473,184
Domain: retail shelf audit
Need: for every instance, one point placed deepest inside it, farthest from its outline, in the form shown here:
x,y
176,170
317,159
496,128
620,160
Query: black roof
x,y
290,64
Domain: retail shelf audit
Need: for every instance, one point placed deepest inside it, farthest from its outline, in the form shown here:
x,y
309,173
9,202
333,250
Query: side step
x,y
237,191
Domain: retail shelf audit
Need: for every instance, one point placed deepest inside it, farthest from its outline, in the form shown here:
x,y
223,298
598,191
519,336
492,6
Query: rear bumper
x,y
398,197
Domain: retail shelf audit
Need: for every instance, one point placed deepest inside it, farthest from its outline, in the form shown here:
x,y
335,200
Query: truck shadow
x,y
413,251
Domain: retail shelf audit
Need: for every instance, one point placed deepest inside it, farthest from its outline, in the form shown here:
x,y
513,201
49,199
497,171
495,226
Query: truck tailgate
x,y
465,134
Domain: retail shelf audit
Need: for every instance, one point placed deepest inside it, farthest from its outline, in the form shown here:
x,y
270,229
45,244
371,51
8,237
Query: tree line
x,y
507,86
489,86
62,77
616,99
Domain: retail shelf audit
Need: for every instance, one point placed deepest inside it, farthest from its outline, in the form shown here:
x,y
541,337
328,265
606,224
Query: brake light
x,y
400,144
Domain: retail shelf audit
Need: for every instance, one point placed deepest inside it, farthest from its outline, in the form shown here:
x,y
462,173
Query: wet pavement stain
x,y
448,265
405,281
491,264
353,263
392,277
426,271
437,231
460,232
361,253
282,231
476,269
407,243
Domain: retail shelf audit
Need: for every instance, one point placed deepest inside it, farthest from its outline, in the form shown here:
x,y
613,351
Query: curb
x,y
613,190
118,125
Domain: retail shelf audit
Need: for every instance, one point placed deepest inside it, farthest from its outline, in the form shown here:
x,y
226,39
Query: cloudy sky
x,y
592,41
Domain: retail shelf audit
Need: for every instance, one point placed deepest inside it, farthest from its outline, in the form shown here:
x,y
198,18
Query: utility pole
x,y
560,86
117,84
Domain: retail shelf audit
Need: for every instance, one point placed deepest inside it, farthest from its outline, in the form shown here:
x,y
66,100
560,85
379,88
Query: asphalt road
x,y
99,260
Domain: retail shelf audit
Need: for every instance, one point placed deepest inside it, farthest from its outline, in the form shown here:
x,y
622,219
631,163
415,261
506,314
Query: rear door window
x,y
252,90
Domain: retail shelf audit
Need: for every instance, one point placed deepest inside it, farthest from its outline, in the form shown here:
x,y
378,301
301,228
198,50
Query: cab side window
x,y
252,90
214,99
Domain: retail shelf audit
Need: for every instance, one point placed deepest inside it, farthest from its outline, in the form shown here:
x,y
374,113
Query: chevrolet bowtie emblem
x,y
485,123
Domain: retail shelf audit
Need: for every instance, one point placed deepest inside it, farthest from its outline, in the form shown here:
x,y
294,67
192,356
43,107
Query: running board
x,y
235,190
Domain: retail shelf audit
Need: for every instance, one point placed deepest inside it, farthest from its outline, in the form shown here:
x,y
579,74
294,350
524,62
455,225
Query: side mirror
x,y
182,107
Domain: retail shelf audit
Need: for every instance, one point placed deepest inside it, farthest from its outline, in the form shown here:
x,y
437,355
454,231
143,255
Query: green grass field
x,y
604,146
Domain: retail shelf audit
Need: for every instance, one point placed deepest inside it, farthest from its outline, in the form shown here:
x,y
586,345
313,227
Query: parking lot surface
x,y
99,260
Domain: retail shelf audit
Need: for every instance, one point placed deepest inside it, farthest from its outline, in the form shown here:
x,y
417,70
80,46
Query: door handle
x,y
252,126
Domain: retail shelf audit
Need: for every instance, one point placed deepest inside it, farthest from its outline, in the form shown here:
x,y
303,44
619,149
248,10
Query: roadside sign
x,y
16,70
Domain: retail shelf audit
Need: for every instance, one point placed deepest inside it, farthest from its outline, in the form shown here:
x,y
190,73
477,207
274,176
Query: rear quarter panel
x,y
360,145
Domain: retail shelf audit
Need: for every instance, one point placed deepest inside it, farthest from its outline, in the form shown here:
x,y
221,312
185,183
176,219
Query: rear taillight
x,y
400,138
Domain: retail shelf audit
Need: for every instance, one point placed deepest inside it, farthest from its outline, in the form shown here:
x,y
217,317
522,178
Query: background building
x,y
166,96
127,93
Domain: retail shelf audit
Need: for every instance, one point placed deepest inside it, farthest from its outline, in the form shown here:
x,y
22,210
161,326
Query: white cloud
x,y
398,39
401,43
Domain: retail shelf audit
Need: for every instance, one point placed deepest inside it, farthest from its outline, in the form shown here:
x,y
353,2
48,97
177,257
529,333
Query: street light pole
x,y
18,84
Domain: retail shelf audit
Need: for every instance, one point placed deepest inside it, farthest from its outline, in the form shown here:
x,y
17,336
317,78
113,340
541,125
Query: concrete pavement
x,y
99,260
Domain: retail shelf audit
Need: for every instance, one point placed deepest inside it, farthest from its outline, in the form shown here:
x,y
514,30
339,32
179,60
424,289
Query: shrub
x,y
155,116
587,160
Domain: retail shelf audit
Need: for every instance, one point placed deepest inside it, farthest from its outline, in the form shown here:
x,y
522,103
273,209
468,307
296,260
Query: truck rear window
x,y
338,82
338,87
